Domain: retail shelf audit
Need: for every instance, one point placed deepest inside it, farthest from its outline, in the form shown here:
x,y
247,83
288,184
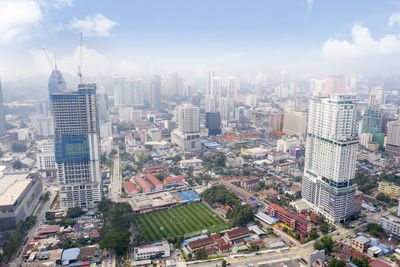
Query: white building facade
x,y
330,162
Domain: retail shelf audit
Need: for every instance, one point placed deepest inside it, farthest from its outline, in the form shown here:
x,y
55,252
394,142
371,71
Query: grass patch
x,y
185,221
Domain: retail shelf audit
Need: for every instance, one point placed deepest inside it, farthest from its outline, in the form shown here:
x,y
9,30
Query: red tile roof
x,y
237,232
173,179
201,243
378,263
289,214
154,180
130,186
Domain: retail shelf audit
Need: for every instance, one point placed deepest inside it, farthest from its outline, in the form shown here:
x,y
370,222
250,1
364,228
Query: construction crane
x,y
49,60
80,61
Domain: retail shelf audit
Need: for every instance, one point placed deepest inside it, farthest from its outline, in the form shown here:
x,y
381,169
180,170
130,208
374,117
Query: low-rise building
x,y
157,184
237,233
257,152
250,183
144,185
155,250
191,163
174,181
200,243
19,196
360,243
389,188
131,188
294,221
390,224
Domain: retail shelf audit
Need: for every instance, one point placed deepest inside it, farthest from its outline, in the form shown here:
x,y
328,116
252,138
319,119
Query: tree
x,y
105,205
50,216
18,147
201,254
326,243
313,235
336,263
381,197
360,262
253,247
17,164
324,228
240,215
224,263
118,240
74,212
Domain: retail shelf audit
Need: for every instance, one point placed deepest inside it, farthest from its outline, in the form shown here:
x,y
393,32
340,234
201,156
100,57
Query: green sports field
x,y
184,220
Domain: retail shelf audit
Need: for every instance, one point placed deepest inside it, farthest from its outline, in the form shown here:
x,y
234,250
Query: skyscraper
x,y
3,124
174,84
216,89
294,122
211,74
77,146
213,123
330,163
187,135
120,92
377,97
393,137
335,84
56,82
155,91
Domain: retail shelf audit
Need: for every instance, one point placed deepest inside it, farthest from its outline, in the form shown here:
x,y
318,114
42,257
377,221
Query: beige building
x,y
294,122
388,188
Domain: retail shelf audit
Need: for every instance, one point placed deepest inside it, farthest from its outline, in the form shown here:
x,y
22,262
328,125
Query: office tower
x,y
233,86
393,138
45,161
43,125
56,82
330,162
225,108
239,115
77,148
294,122
335,84
136,92
155,91
187,135
120,92
173,84
211,74
105,126
275,121
213,123
215,90
377,97
209,103
3,123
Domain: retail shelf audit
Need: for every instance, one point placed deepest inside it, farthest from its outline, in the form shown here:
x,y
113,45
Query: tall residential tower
x,y
77,146
331,146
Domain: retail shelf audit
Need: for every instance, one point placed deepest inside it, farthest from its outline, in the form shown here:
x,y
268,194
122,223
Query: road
x,y
18,261
116,180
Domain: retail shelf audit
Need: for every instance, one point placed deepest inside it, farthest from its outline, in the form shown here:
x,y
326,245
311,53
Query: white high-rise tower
x,y
187,135
331,146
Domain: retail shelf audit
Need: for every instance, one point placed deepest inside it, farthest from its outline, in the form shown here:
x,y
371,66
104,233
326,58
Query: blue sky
x,y
139,37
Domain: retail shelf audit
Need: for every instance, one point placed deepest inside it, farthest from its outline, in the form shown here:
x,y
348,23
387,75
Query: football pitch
x,y
184,220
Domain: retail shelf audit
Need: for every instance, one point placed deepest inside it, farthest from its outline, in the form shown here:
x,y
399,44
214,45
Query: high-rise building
x,y
335,84
225,108
294,122
155,91
239,115
211,74
187,135
209,103
275,121
136,92
45,157
261,85
251,100
330,162
233,86
173,84
372,122
3,124
393,137
43,125
56,82
77,146
377,97
120,92
213,123
215,90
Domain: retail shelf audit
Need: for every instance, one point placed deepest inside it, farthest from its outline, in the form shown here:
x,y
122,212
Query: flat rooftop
x,y
9,179
13,192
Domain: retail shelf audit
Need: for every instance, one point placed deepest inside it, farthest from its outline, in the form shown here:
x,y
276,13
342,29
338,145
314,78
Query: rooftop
x,y
201,242
237,232
362,239
13,192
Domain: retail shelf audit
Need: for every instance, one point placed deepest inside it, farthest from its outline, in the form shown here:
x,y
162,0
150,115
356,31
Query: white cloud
x,y
97,25
17,18
362,46
94,63
394,19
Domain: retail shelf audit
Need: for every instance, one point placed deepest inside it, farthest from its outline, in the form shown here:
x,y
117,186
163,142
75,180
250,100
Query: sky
x,y
141,37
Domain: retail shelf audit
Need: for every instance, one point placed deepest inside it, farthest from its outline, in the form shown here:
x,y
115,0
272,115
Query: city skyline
x,y
234,36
